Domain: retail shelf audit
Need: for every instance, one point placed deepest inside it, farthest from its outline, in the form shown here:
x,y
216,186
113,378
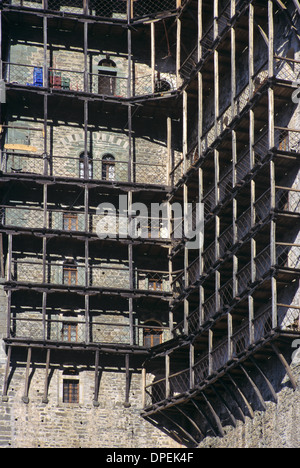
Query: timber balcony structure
x,y
235,297
159,102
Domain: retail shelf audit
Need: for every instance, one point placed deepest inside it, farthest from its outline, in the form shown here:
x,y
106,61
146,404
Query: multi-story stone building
x,y
149,248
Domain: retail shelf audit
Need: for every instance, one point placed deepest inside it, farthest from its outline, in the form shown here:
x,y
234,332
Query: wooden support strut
x,y
255,388
225,404
250,410
189,436
216,417
25,398
204,416
96,390
271,388
5,386
186,415
126,403
232,395
46,385
285,365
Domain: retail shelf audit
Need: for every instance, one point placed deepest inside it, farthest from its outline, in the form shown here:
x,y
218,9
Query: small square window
x,y
70,391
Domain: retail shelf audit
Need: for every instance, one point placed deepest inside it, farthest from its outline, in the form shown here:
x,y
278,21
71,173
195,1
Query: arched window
x,y
153,334
82,166
107,74
108,167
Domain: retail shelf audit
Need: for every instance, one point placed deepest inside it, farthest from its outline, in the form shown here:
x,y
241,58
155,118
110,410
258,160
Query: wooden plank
x,y
18,147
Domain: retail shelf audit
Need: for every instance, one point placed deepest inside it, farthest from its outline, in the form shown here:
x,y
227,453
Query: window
x,y
154,285
70,222
70,391
153,334
82,166
284,140
70,274
108,167
107,76
69,332
161,85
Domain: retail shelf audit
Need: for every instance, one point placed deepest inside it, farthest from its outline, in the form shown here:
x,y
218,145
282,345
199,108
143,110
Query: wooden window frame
x,y
70,391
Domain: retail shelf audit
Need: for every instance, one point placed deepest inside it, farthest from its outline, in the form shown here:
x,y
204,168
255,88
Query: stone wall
x,y
63,425
278,426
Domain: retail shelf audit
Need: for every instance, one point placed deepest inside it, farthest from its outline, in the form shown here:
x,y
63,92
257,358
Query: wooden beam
x,y
46,384
204,416
215,416
5,386
232,395
239,391
186,415
254,386
96,388
189,436
25,398
285,365
220,397
271,388
127,388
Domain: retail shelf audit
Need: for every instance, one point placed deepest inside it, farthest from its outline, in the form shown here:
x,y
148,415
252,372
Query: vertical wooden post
x,y
230,332
85,49
153,56
167,376
46,383
87,318
178,52
144,377
44,306
25,398
5,386
185,131
271,74
47,166
1,60
86,154
127,363
210,350
8,325
192,363
45,45
96,389
2,269
169,149
9,257
129,67
251,49
251,319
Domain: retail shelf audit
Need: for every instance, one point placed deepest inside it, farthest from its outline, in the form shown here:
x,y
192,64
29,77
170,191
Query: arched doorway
x,y
107,77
